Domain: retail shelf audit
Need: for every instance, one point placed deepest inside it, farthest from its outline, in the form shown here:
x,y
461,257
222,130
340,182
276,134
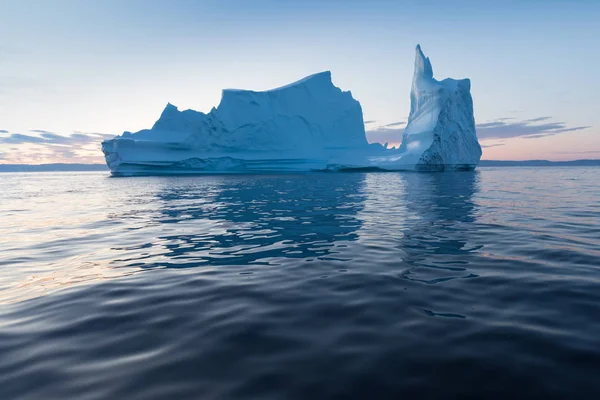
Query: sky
x,y
73,72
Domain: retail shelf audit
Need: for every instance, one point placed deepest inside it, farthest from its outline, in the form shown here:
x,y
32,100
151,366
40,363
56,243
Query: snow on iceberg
x,y
309,125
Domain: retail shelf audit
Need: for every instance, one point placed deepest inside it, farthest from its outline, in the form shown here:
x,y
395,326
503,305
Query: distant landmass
x,y
58,167
52,167
539,163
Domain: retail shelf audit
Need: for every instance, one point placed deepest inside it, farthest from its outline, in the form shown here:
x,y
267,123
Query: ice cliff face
x,y
305,126
440,133
292,128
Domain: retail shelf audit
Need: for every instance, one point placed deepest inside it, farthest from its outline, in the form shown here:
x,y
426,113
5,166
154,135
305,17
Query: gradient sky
x,y
75,71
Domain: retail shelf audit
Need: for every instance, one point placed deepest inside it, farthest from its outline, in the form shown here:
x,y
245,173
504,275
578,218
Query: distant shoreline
x,y
539,163
63,167
58,167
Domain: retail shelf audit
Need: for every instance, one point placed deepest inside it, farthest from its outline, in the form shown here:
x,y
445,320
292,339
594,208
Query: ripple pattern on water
x,y
301,286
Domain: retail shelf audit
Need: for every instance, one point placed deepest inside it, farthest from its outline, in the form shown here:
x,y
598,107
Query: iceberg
x,y
440,133
309,125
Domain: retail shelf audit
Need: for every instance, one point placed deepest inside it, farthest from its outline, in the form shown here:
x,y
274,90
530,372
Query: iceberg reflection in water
x,y
277,286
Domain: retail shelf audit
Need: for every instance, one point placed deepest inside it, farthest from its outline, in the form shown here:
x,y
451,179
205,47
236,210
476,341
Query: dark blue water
x,y
357,285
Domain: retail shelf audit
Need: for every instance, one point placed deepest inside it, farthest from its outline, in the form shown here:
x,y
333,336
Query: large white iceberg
x,y
309,125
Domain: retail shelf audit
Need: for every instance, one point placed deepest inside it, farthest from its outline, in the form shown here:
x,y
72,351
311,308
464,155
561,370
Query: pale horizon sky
x,y
73,72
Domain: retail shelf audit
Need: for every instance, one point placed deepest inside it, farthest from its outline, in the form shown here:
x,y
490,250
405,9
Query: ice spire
x,y
422,65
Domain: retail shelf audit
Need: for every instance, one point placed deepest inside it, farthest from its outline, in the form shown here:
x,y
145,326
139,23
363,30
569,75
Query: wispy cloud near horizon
x,y
51,138
487,146
538,119
399,123
528,129
46,146
497,129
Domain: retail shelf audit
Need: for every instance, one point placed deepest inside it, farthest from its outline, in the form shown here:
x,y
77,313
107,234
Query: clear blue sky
x,y
105,66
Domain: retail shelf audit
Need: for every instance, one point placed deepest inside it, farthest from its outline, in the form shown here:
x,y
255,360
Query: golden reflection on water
x,y
65,229
50,220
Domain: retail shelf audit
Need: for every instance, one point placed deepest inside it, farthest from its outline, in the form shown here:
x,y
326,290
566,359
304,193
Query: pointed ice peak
x,y
422,64
169,109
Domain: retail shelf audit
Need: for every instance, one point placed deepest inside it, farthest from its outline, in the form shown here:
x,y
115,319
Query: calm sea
x,y
339,285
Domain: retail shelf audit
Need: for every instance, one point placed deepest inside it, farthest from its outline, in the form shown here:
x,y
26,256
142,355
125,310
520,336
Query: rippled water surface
x,y
373,285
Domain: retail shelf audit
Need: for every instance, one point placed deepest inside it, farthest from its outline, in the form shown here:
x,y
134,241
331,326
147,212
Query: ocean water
x,y
355,285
